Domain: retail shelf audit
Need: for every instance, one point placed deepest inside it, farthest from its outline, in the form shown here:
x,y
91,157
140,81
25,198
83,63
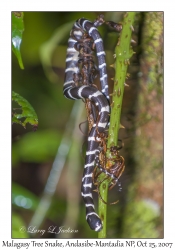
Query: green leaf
x,y
27,112
51,49
17,31
18,227
36,147
23,198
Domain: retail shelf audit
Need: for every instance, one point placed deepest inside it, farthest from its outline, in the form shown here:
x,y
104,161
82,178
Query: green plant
x,y
123,53
28,113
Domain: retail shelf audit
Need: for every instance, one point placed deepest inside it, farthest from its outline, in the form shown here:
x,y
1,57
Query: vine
x,y
123,53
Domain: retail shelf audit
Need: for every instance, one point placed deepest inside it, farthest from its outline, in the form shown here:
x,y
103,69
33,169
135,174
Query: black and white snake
x,y
100,99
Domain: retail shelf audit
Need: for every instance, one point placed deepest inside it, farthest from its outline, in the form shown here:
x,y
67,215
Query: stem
x,y
123,53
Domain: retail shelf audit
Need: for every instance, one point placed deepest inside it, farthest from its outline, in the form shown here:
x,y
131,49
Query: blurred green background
x,y
139,213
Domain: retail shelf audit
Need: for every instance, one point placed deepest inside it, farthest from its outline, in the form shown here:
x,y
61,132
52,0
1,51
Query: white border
x,y
5,96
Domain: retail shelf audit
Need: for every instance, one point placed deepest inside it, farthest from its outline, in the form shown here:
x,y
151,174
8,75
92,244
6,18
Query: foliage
x,y
23,198
36,147
17,31
18,224
27,112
